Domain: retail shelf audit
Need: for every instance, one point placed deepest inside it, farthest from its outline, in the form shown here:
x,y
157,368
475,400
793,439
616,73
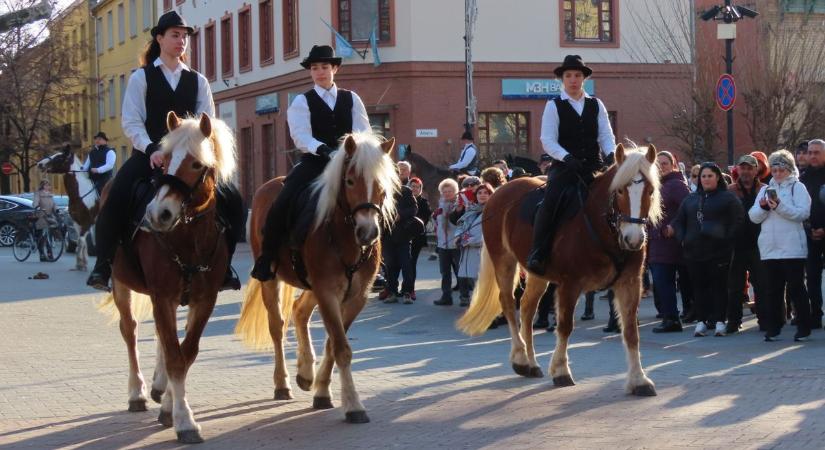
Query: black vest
x,y
97,158
328,125
160,99
579,135
471,168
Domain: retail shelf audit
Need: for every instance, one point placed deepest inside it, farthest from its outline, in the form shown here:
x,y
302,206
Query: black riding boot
x,y
233,213
543,229
613,325
105,244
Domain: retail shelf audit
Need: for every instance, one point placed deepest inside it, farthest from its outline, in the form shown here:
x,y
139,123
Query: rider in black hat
x,y
100,162
576,133
467,162
164,83
317,120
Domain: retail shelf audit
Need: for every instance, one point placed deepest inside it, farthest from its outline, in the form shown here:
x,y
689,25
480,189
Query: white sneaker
x,y
701,329
720,329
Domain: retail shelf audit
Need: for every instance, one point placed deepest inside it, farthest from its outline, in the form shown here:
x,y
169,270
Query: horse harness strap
x,y
365,253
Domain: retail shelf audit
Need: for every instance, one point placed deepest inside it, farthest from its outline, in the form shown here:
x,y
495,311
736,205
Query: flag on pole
x,y
342,47
376,60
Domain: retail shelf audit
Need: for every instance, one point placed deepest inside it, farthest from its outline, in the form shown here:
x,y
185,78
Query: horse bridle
x,y
179,185
616,218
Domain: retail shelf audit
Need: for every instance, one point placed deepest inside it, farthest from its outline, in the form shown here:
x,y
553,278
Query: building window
x,y
121,22
122,89
147,14
356,19
380,123
803,6
99,35
245,39
194,48
226,47
290,28
132,18
588,21
209,51
110,32
268,154
167,5
248,163
266,32
112,98
503,133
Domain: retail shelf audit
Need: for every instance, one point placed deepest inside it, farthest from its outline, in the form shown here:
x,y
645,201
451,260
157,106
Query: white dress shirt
x,y
298,117
111,158
550,127
467,155
133,111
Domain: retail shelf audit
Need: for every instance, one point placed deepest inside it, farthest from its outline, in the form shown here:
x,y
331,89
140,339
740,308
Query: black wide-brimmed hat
x,y
321,54
467,136
169,20
572,62
101,135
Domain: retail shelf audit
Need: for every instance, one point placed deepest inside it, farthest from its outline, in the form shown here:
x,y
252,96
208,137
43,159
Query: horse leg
x,y
269,291
566,297
529,302
81,253
322,399
627,299
159,379
128,329
505,272
350,401
306,353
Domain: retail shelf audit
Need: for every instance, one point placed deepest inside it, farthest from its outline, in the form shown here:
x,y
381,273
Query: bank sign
x,y
537,88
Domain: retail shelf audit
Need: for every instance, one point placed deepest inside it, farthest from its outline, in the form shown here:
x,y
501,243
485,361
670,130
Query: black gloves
x,y
324,150
572,163
152,148
610,159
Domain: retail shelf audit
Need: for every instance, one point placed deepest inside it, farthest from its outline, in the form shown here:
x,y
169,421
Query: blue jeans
x,y
664,289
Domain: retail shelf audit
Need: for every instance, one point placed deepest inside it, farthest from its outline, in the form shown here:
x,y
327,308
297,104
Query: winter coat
x,y
661,249
406,208
746,237
470,239
46,210
713,240
814,180
444,228
783,233
424,213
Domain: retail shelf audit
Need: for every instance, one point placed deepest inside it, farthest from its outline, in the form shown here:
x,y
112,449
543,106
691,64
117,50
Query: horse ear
x,y
620,153
172,120
349,145
651,153
205,125
387,146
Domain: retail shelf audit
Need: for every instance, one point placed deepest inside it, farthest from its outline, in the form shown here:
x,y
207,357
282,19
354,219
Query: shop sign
x,y
426,133
265,104
537,88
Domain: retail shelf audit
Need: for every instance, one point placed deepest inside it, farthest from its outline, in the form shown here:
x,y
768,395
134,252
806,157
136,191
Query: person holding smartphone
x,y
782,207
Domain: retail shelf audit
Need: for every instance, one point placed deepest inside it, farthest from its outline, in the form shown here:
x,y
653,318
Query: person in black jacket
x,y
395,247
706,225
814,180
419,241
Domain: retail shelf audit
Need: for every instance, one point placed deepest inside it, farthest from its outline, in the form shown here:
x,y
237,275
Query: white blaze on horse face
x,y
633,234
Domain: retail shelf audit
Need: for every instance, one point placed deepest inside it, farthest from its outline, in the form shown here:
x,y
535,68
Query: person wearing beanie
x,y
706,225
781,208
764,173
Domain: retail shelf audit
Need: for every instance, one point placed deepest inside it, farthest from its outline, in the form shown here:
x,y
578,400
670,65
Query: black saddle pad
x,y
142,193
301,216
569,204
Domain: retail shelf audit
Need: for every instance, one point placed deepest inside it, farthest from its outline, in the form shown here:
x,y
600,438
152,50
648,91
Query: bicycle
x,y
28,239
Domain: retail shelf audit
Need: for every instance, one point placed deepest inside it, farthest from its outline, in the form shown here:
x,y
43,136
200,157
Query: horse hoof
x,y
535,372
165,419
322,403
303,383
644,390
521,369
190,437
156,395
283,394
563,381
137,405
357,417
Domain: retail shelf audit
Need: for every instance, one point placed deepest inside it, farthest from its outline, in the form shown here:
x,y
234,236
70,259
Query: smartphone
x,y
771,193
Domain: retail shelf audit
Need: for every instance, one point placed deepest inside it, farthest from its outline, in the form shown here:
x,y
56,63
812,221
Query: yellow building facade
x,y
121,33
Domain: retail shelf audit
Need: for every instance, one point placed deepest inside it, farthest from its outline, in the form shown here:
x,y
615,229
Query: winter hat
x,y
783,159
765,170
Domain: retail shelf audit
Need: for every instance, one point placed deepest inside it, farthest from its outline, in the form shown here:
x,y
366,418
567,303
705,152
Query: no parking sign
x,y
725,92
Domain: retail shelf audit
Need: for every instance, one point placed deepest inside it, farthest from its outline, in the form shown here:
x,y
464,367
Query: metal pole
x,y
729,71
468,65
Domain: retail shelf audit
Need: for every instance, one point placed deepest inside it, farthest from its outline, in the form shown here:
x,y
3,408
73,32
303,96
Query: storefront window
x,y
500,134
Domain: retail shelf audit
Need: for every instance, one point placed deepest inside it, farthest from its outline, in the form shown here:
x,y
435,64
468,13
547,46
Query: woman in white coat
x,y
470,239
783,206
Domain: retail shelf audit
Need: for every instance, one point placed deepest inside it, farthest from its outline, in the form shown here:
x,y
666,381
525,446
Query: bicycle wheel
x,y
23,245
56,242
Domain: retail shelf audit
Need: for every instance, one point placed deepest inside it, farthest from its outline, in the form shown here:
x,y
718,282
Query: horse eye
x,y
197,166
350,182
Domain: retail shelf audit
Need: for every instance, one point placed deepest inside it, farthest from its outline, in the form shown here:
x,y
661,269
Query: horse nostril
x,y
165,216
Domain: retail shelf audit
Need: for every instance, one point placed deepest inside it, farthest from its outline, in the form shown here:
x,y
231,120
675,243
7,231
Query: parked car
x,y
62,202
14,214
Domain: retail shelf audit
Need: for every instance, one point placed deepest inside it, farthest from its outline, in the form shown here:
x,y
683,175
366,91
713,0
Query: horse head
x,y
634,196
60,162
361,180
198,153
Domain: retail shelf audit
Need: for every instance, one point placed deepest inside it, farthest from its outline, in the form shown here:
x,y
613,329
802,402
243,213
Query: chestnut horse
x,y
602,245
83,198
341,254
179,255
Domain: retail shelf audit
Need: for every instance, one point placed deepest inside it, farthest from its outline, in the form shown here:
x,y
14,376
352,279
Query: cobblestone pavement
x,y
63,381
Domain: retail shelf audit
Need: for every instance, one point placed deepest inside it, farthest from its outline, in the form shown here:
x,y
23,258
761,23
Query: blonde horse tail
x,y
485,305
253,326
287,297
140,304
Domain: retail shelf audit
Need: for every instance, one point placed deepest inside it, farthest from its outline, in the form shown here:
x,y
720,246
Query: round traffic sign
x,y
725,92
7,168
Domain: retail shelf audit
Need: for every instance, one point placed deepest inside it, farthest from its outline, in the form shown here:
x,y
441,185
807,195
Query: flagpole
x,y
469,103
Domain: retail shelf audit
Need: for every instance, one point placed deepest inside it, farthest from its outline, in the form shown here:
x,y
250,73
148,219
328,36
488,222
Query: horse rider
x,y
468,161
317,120
576,133
100,162
163,83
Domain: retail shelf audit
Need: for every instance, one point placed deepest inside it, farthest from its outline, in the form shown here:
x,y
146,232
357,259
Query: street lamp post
x,y
729,14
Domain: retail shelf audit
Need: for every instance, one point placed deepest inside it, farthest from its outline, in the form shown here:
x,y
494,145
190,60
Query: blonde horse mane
x,y
636,162
371,162
217,152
